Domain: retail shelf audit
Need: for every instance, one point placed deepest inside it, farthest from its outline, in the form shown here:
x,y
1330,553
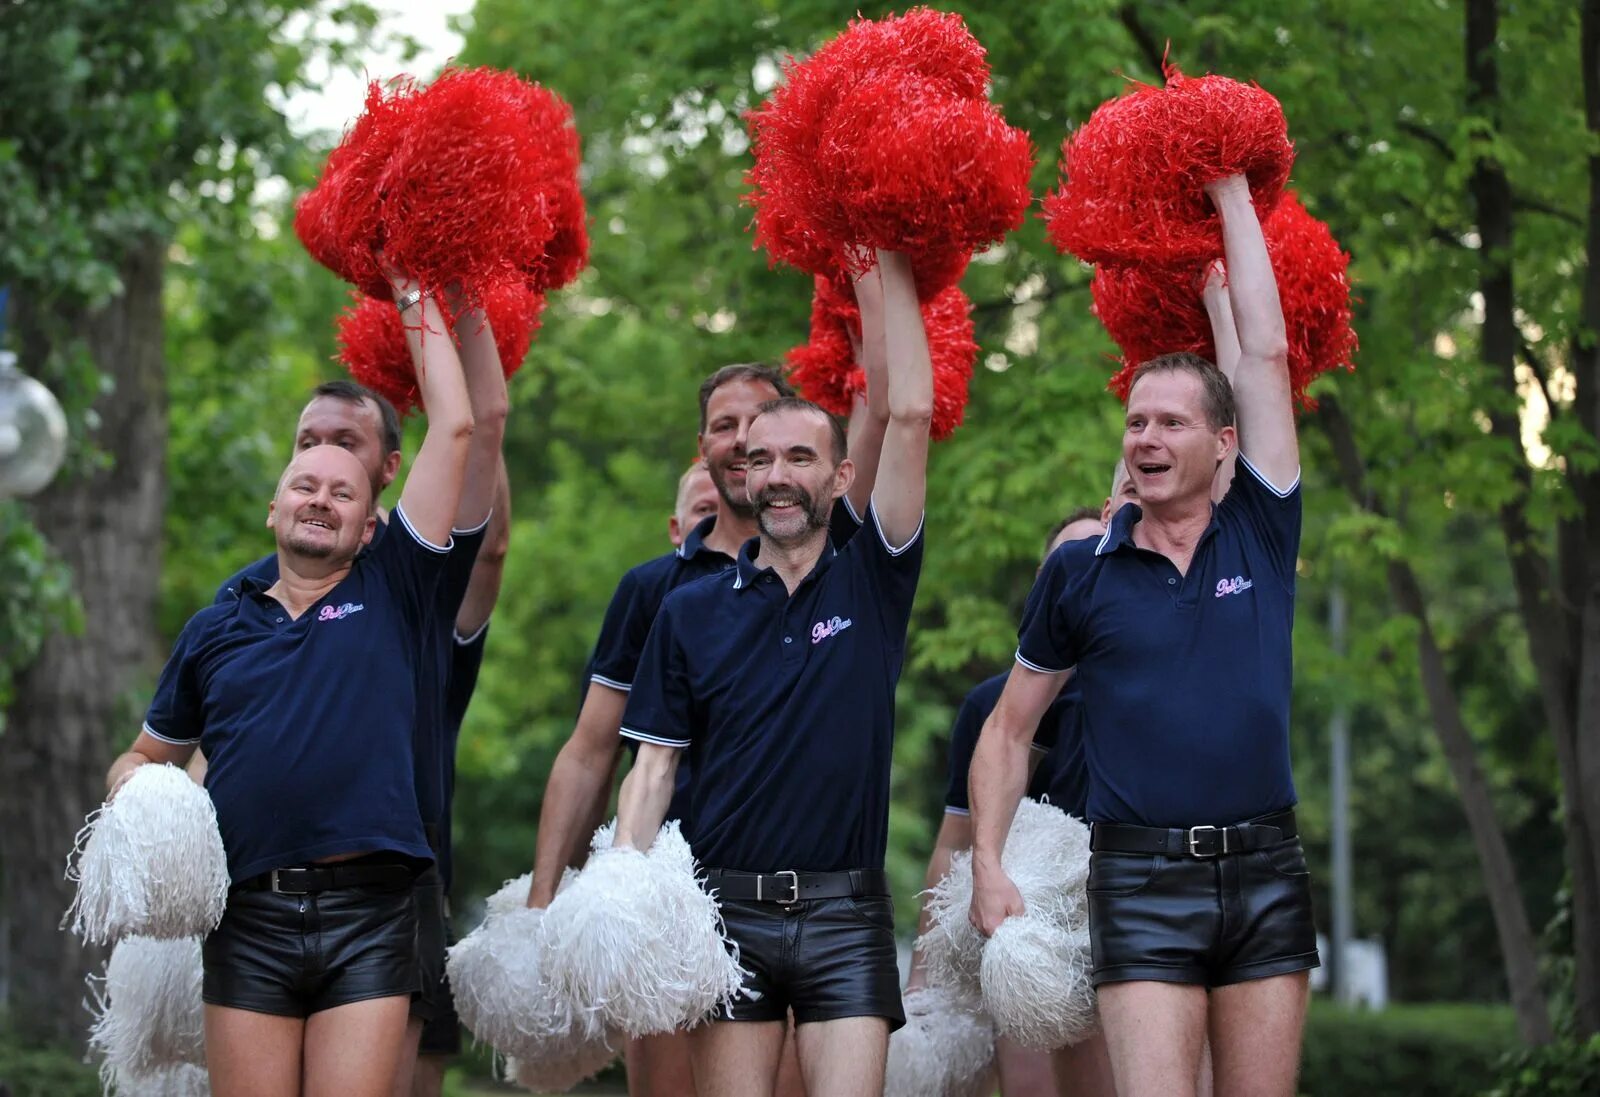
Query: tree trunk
x,y
1518,945
75,704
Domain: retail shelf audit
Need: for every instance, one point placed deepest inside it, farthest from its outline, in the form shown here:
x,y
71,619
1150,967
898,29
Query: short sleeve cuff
x,y
405,522
1281,493
1042,748
951,809
611,683
154,734
477,634
872,510
1040,667
850,509
658,740
479,528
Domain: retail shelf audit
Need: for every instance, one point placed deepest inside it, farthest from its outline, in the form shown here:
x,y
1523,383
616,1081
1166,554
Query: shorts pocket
x,y
1285,859
876,911
1122,874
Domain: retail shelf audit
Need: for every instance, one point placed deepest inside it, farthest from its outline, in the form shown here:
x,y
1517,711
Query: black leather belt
x,y
310,879
1199,842
785,888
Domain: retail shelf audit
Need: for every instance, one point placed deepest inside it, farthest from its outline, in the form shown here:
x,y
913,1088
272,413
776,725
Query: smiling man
x,y
777,679
1179,623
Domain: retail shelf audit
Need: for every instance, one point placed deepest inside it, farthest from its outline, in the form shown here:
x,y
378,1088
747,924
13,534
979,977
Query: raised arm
x,y
901,487
869,412
433,489
1226,338
486,395
646,795
998,780
1261,378
483,589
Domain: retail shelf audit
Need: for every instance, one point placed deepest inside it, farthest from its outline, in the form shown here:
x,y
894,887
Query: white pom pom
x,y
952,948
1036,982
636,943
149,1015
1047,857
945,1049
512,895
150,862
179,1081
496,973
559,1065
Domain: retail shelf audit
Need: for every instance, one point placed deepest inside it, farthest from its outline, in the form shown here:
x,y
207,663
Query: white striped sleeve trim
x,y
465,640
479,528
1038,746
400,513
630,733
1281,493
872,509
611,683
950,809
154,734
1037,667
850,509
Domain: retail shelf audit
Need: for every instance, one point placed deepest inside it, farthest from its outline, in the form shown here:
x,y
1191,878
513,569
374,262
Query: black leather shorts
x,y
1209,922
428,893
295,955
441,1027
825,959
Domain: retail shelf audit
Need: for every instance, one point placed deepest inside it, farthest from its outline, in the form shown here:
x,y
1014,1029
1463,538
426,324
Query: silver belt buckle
x,y
278,889
1193,836
794,888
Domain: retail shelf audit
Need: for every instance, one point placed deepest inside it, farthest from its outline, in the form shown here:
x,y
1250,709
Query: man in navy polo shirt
x,y
1178,622
303,695
696,501
778,678
1057,775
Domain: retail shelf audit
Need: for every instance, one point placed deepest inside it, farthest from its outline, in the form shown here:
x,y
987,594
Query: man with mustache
x,y
777,677
1179,622
579,784
302,693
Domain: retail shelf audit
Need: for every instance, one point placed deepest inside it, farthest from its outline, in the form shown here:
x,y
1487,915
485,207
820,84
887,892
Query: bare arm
x,y
581,775
901,489
996,784
146,749
646,795
483,589
486,395
1226,339
955,834
433,489
869,414
1261,378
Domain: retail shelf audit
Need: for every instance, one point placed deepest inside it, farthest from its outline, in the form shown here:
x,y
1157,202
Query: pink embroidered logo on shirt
x,y
339,613
1237,585
831,627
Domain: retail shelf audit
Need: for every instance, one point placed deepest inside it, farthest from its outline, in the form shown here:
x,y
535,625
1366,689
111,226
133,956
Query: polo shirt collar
x,y
749,571
1120,533
253,584
695,543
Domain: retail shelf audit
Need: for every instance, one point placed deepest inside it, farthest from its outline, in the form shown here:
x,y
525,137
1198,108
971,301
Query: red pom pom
x,y
1151,309
472,180
825,372
1133,175
372,340
883,139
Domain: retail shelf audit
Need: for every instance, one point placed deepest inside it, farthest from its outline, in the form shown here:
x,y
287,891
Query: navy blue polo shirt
x,y
785,704
1186,678
434,744
1060,774
466,660
638,598
308,722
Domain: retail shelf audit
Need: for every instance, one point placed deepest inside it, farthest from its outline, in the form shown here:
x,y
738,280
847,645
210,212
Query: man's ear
x,y
272,510
1229,439
391,469
674,534
1105,512
843,477
371,528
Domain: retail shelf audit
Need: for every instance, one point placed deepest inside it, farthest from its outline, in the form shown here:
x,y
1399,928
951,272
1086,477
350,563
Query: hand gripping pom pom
x,y
1134,175
1150,310
824,368
148,1013
637,944
150,862
1036,982
372,340
946,1049
497,977
470,180
884,139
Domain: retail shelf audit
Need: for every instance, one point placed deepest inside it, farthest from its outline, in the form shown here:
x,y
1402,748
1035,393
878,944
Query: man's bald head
x,y
323,508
